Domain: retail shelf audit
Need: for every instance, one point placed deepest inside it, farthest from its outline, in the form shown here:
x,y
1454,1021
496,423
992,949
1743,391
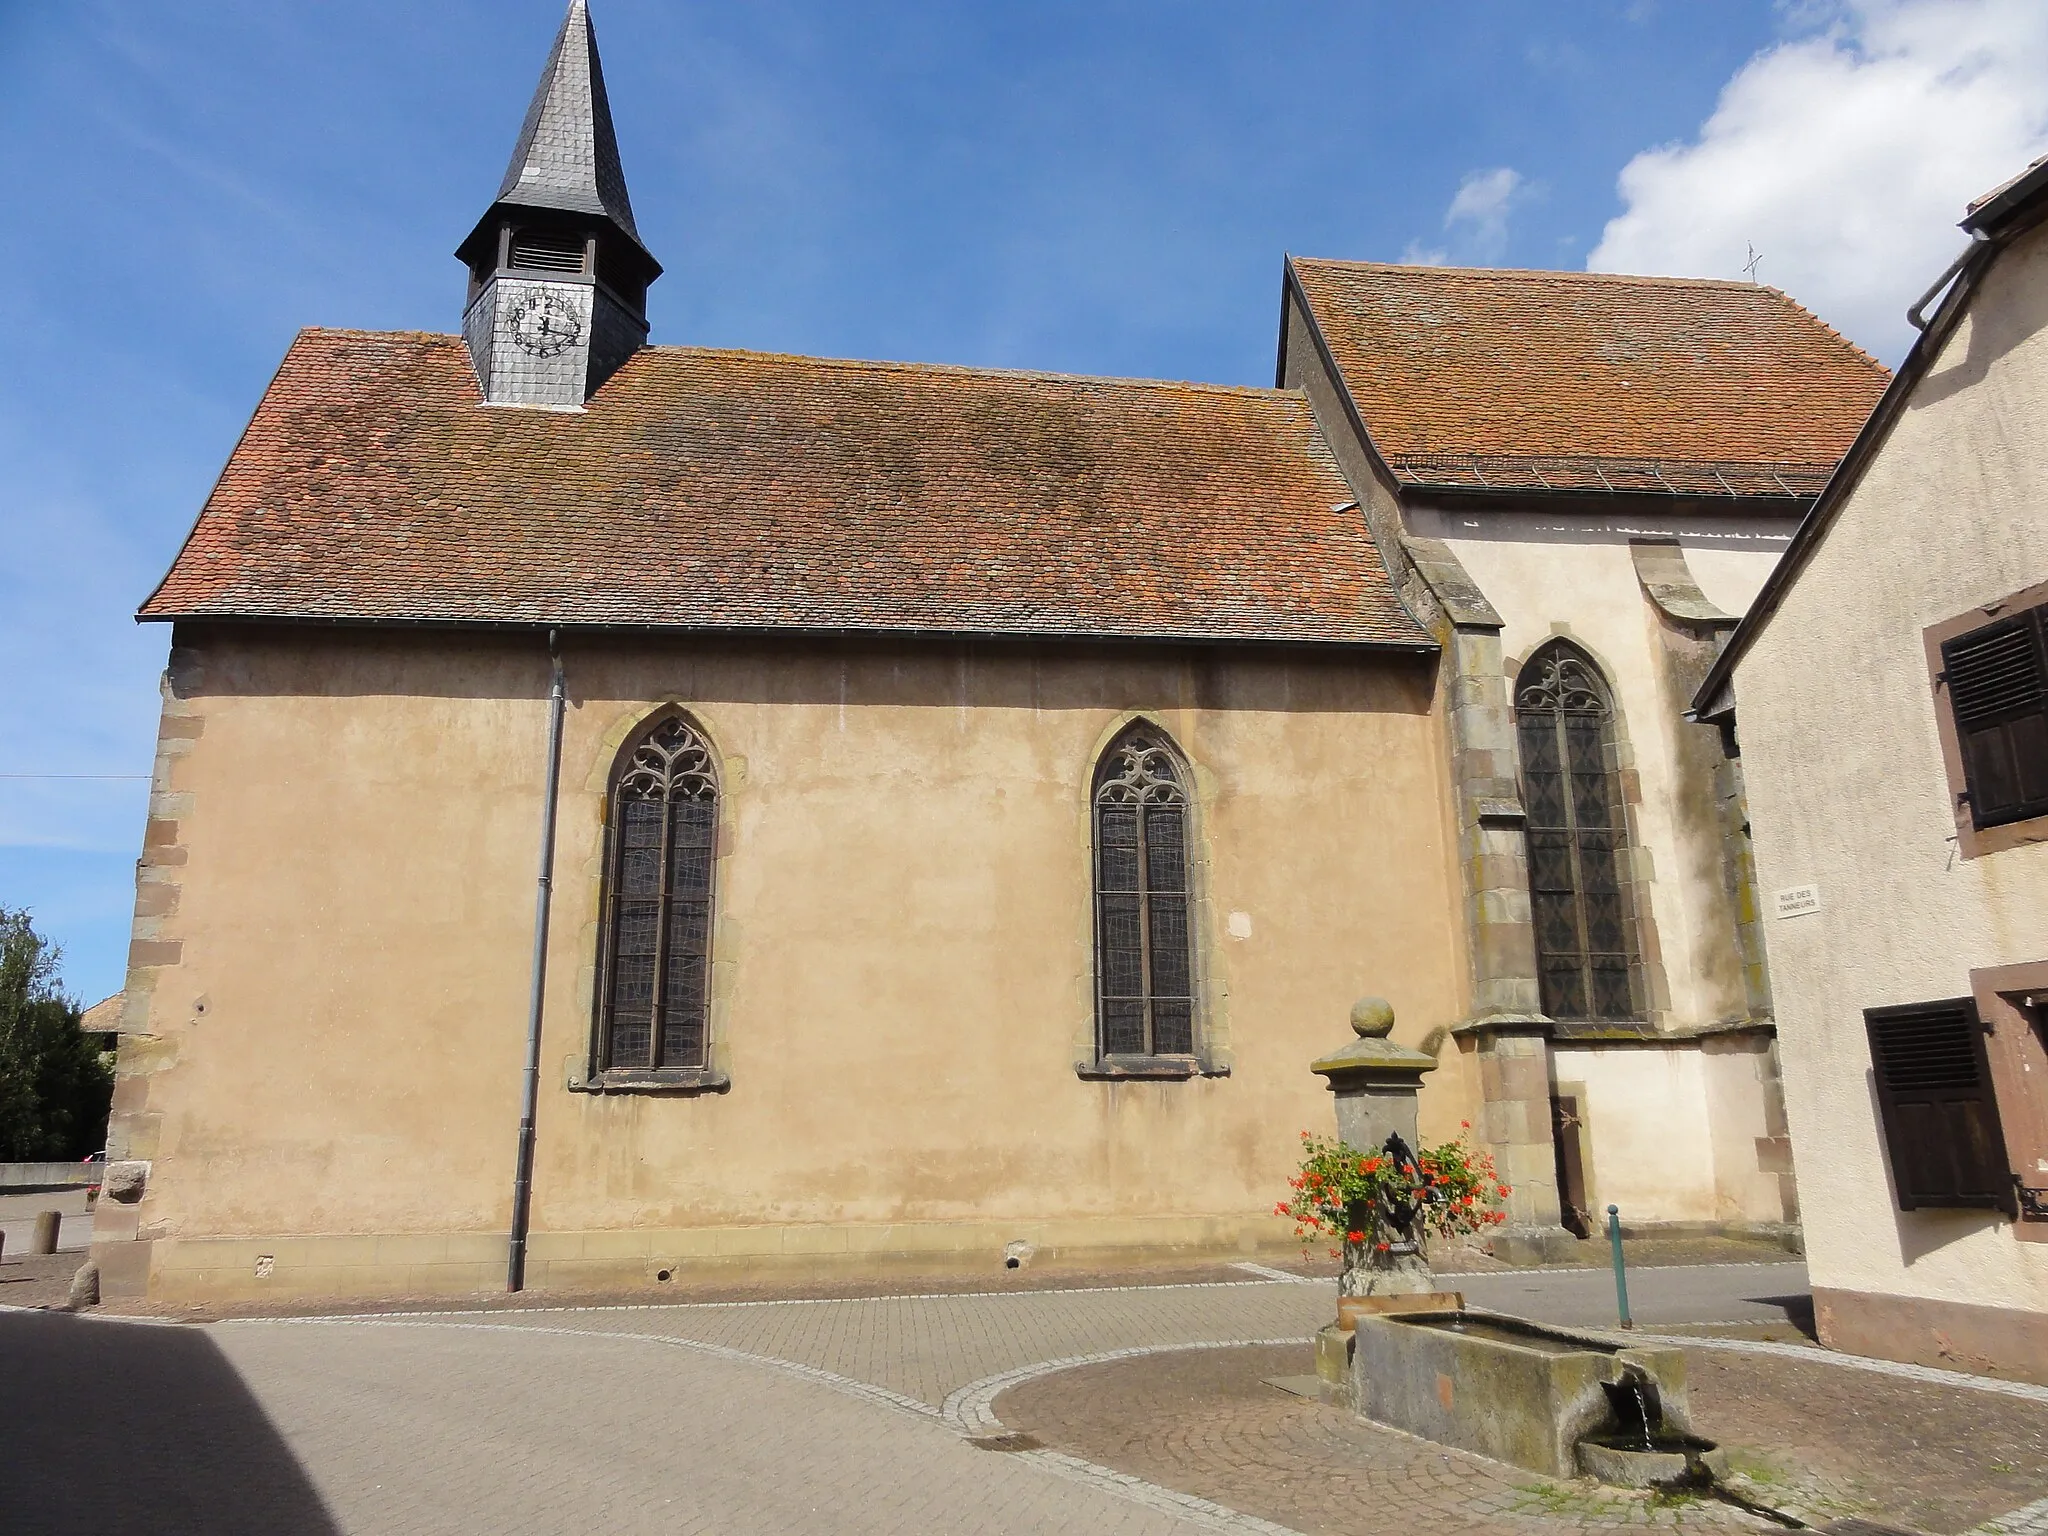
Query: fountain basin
x,y
1351,1308
1516,1391
1668,1460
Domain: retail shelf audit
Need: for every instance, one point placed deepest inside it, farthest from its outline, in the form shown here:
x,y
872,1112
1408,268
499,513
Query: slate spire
x,y
557,274
568,154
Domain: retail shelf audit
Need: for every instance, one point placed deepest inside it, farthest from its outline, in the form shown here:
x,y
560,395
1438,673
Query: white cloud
x,y
1845,155
1480,210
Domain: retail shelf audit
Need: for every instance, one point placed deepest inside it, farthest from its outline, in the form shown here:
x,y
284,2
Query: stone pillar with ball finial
x,y
1376,1084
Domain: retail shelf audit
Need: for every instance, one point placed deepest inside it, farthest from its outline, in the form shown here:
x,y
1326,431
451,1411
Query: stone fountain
x,y
1553,1400
1407,1354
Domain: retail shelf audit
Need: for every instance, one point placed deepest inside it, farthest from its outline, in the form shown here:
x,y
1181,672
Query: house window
x,y
1144,954
654,993
1564,721
1991,683
1940,1114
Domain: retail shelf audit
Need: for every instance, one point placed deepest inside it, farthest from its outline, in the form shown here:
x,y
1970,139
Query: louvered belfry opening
x,y
1144,954
658,902
1998,693
1564,719
547,250
1934,1094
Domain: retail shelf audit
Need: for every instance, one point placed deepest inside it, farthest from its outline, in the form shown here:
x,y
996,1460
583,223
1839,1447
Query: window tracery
x,y
1144,952
1564,719
656,986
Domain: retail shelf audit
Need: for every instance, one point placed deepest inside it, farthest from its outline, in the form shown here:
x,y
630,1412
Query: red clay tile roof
x,y
741,490
1485,378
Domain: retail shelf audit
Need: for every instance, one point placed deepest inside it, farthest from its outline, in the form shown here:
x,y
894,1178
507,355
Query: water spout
x,y
1637,1408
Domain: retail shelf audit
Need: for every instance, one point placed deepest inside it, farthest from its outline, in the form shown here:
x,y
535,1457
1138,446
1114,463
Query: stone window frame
x,y
712,1074
1973,842
1646,989
1207,1059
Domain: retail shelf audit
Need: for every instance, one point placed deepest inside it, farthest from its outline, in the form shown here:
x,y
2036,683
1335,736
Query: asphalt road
x,y
1694,1293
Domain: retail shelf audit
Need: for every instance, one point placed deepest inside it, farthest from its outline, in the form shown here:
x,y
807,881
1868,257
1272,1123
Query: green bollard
x,y
1620,1268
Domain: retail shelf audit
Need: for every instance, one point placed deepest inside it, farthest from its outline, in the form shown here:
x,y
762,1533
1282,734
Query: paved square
x,y
1143,1409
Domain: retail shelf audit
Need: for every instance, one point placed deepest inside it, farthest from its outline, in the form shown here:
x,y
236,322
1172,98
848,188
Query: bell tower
x,y
557,274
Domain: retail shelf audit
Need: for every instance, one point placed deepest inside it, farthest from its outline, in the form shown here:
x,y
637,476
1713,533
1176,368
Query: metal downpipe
x,y
522,1179
1915,316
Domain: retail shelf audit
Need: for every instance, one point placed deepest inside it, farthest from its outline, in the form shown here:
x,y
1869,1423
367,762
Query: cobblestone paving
x,y
1207,1423
929,1346
1813,1440
1824,1441
925,1347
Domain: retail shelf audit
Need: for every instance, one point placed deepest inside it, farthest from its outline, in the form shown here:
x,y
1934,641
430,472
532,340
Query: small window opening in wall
x,y
547,250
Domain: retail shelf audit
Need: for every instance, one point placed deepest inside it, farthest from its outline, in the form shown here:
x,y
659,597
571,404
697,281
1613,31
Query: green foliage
x,y
54,1089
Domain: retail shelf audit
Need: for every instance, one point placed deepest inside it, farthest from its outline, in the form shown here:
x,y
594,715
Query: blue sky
x,y
1102,188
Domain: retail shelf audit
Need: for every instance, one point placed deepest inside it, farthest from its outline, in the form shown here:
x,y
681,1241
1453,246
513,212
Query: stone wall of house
x,y
328,1000
1847,793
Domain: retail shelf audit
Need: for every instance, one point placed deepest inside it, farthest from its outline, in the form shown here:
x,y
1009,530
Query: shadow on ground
x,y
1798,1312
116,1428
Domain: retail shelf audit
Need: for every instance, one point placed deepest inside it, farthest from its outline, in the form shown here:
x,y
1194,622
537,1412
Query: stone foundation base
x,y
1533,1246
1788,1236
457,1263
1985,1341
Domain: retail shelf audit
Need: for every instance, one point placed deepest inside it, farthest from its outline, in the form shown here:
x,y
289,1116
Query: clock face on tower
x,y
544,325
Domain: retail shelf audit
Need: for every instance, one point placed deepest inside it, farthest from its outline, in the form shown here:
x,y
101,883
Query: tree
x,y
54,1089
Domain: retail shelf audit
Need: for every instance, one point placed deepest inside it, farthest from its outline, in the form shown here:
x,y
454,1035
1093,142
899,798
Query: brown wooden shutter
x,y
1940,1118
1997,680
2016,1045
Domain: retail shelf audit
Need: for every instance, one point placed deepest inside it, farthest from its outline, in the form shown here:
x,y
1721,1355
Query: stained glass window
x,y
1564,719
1144,949
655,991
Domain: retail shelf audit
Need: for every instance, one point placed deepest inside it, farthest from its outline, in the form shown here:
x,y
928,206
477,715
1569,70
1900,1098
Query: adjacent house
x,y
621,808
1890,685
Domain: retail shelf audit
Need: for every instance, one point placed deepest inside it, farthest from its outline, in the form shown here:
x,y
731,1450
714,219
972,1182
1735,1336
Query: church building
x,y
626,811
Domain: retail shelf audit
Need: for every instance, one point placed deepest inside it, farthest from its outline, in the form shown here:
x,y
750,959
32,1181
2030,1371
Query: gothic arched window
x,y
1564,722
1144,950
655,992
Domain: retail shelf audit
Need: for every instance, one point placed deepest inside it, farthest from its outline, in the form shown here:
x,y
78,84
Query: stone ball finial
x,y
1372,1018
